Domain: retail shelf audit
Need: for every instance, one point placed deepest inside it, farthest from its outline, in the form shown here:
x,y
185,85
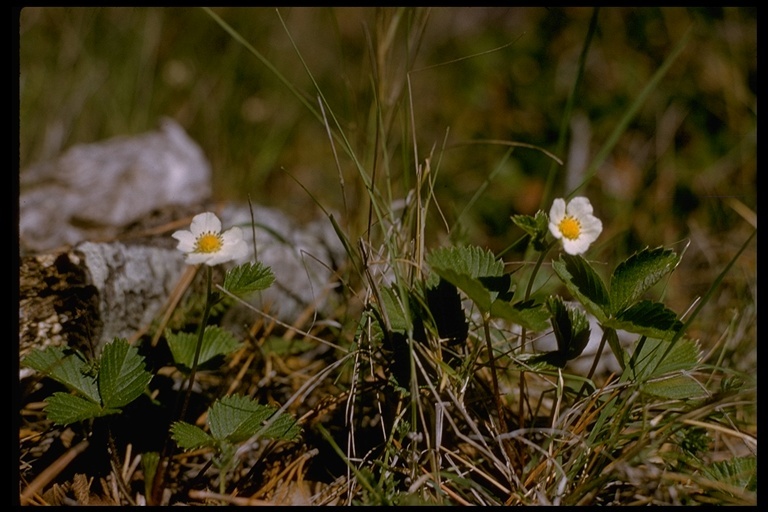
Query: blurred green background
x,y
684,168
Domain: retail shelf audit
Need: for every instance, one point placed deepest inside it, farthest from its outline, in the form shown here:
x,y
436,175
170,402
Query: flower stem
x,y
200,334
163,466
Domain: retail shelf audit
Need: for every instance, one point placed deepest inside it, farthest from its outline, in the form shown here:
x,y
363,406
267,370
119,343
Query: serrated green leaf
x,y
247,278
122,376
65,409
740,472
651,319
189,437
528,314
570,327
536,227
654,358
584,284
67,368
468,261
635,276
676,387
395,309
216,342
237,418
471,286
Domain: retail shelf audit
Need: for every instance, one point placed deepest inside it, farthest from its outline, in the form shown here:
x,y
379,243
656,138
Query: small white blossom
x,y
574,224
205,243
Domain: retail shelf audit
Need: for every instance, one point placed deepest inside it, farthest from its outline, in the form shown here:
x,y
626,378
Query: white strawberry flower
x,y
574,224
205,243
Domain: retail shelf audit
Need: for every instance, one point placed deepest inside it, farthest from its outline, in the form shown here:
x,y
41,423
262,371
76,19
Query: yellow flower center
x,y
208,242
570,228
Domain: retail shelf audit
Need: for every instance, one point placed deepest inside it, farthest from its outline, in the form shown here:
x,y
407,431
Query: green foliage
x,y
536,227
571,329
622,307
584,284
665,371
638,273
248,277
235,419
739,472
472,262
118,379
216,342
480,275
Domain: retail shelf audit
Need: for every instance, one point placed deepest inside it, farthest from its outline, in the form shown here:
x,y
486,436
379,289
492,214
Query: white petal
x,y
577,246
557,211
579,207
239,250
205,223
186,240
194,258
555,230
591,227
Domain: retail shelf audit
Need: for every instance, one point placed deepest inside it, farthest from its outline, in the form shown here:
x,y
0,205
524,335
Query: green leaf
x,y
675,387
527,314
472,287
467,261
612,337
740,472
122,376
247,278
633,277
648,318
395,310
189,437
216,342
584,284
64,409
65,367
649,360
571,329
536,227
237,418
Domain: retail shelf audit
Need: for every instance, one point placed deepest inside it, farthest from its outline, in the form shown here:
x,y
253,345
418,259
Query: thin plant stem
x,y
209,299
164,463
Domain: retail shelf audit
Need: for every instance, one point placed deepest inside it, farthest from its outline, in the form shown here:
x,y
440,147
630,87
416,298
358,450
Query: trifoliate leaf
x,y
216,342
633,277
189,437
66,367
247,278
237,418
651,319
122,376
65,409
584,283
